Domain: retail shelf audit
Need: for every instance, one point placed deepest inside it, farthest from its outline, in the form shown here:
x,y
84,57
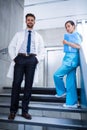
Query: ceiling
x,y
54,13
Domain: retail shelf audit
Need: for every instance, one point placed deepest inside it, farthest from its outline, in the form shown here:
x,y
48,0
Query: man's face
x,y
30,21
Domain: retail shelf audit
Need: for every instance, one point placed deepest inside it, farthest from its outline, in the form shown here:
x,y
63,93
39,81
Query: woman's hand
x,y
74,45
64,42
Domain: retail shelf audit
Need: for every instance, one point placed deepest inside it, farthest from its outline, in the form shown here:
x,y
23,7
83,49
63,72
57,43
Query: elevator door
x,y
53,60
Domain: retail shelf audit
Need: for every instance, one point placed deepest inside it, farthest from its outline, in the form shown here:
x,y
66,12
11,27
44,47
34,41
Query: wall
x,y
54,13
52,38
11,20
83,79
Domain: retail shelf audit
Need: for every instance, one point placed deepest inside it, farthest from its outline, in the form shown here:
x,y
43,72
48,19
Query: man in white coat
x,y
26,50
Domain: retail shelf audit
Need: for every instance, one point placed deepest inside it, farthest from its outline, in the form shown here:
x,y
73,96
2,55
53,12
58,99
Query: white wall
x,y
11,20
54,13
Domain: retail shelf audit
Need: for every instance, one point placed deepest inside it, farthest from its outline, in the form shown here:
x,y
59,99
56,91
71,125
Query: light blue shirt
x,y
71,57
23,48
73,38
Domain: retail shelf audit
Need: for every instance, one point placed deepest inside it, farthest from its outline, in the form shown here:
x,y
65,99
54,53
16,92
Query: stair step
x,y
46,121
40,90
38,97
48,107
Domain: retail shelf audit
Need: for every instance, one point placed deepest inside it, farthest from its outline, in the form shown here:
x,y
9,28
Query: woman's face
x,y
70,28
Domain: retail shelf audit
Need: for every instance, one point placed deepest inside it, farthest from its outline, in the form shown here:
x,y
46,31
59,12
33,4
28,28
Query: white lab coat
x,y
15,45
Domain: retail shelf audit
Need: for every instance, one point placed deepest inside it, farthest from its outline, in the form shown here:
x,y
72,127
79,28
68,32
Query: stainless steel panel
x,y
53,60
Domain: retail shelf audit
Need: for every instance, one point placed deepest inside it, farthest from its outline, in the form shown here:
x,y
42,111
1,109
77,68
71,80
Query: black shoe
x,y
26,116
11,116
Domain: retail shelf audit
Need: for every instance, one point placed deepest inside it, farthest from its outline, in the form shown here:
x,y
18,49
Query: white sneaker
x,y
64,94
70,106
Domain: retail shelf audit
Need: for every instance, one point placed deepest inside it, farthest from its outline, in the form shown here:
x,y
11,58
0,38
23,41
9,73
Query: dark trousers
x,y
24,66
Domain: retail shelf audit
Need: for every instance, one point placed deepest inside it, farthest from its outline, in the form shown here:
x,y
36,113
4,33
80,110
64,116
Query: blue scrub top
x,y
71,57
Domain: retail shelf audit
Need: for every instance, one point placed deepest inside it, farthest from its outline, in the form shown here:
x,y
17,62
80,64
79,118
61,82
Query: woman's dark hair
x,y
71,22
30,15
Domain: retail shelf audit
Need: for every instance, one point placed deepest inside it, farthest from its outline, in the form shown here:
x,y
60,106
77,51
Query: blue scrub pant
x,y
71,86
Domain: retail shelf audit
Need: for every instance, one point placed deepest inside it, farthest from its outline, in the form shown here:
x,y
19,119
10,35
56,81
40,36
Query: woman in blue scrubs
x,y
72,41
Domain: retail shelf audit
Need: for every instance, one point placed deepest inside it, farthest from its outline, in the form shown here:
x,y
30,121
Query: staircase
x,y
46,111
